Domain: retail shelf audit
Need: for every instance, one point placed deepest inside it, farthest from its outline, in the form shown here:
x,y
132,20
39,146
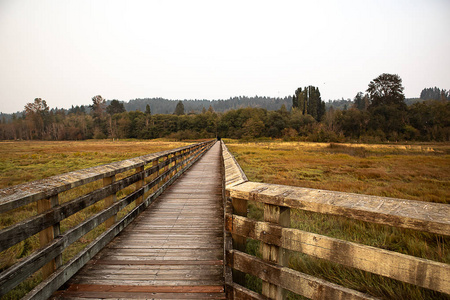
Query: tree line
x,y
380,114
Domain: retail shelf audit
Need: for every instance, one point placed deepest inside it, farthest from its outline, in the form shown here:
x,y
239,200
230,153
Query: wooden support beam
x,y
239,242
110,200
154,175
139,184
273,253
47,235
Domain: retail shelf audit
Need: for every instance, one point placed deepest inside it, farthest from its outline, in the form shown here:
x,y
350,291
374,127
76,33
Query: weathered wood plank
x,y
418,215
142,292
155,282
147,288
125,270
297,282
241,293
418,271
131,295
160,262
145,277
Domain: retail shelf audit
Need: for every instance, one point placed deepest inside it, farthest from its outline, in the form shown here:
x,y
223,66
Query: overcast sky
x,y
66,52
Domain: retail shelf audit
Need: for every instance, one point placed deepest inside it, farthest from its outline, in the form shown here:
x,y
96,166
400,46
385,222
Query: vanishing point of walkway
x,y
173,250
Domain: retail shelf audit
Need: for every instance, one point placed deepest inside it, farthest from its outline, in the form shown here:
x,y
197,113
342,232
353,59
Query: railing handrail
x,y
412,214
165,168
276,235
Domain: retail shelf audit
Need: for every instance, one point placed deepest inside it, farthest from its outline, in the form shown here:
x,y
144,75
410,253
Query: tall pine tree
x,y
308,101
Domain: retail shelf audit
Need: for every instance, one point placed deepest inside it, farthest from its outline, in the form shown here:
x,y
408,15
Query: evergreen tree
x,y
434,94
308,101
147,110
361,101
116,107
179,109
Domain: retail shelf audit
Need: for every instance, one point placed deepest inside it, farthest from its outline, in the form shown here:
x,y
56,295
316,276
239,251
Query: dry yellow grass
x,y
416,172
23,161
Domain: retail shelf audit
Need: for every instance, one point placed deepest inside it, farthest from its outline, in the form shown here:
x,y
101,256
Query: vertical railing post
x,y
110,200
239,242
166,168
140,184
177,161
160,171
47,235
154,175
281,216
173,164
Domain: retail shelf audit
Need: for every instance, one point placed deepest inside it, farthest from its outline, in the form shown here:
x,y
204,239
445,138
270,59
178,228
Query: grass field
x,y
24,161
417,172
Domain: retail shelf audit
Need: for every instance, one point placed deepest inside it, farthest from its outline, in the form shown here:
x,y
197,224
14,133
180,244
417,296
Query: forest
x,y
379,115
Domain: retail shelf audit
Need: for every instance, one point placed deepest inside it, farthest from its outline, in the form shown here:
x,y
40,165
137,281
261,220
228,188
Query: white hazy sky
x,y
66,52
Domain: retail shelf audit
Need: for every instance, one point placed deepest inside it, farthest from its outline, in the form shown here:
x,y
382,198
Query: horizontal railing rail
x,y
152,174
276,237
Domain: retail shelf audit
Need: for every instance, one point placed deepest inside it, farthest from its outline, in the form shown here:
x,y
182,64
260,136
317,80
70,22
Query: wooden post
x,y
139,184
172,164
177,159
154,175
281,216
47,235
166,168
161,171
239,242
110,200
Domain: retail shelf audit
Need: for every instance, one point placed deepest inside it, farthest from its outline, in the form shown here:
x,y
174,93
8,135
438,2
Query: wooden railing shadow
x,y
152,174
278,239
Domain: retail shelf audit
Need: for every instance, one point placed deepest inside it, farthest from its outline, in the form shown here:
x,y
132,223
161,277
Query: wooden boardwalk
x,y
173,250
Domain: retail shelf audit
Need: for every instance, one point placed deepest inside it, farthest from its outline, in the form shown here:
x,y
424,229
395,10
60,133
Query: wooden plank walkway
x,y
173,250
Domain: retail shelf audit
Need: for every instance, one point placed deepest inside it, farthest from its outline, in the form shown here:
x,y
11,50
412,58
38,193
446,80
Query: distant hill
x,y
340,104
165,106
344,104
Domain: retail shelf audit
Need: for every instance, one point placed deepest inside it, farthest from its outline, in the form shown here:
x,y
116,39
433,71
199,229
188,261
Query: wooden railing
x,y
151,174
276,237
